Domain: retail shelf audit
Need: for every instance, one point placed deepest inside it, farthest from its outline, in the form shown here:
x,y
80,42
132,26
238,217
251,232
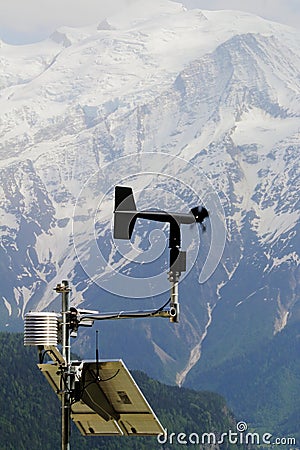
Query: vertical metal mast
x,y
177,265
64,290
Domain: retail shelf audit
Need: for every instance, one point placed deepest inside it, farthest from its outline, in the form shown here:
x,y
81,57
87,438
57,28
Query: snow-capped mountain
x,y
184,105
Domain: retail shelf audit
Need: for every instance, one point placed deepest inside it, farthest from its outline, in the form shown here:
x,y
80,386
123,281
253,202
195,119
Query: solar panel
x,y
111,402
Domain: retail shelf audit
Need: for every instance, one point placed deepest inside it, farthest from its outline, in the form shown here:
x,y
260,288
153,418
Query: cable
x,y
97,355
95,381
44,354
132,316
63,381
162,307
110,378
97,378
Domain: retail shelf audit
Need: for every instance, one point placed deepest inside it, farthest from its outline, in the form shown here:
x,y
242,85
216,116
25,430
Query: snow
x,y
7,305
8,220
265,129
292,257
195,353
22,63
271,225
88,95
161,35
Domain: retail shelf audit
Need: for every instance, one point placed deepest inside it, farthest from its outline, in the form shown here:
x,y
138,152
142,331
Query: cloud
x,y
44,16
287,11
29,20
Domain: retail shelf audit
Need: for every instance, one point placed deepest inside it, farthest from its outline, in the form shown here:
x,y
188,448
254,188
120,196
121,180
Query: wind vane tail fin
x,y
125,212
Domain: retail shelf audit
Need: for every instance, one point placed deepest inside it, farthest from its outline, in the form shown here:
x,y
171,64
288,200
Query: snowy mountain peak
x,y
142,13
219,90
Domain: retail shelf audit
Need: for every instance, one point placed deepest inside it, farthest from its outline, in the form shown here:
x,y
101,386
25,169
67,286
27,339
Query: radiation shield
x,y
111,403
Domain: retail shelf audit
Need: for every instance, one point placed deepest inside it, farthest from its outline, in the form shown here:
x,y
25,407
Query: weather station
x,y
101,396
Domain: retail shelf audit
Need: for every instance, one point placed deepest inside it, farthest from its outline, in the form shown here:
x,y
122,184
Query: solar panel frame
x,y
111,402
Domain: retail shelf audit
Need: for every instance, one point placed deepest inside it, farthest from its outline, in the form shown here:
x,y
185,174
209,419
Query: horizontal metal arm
x,y
89,318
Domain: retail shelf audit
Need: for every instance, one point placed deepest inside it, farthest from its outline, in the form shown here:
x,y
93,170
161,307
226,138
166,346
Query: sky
x,y
26,21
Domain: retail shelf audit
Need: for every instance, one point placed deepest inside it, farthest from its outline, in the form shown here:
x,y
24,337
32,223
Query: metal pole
x,y
174,304
88,319
63,288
